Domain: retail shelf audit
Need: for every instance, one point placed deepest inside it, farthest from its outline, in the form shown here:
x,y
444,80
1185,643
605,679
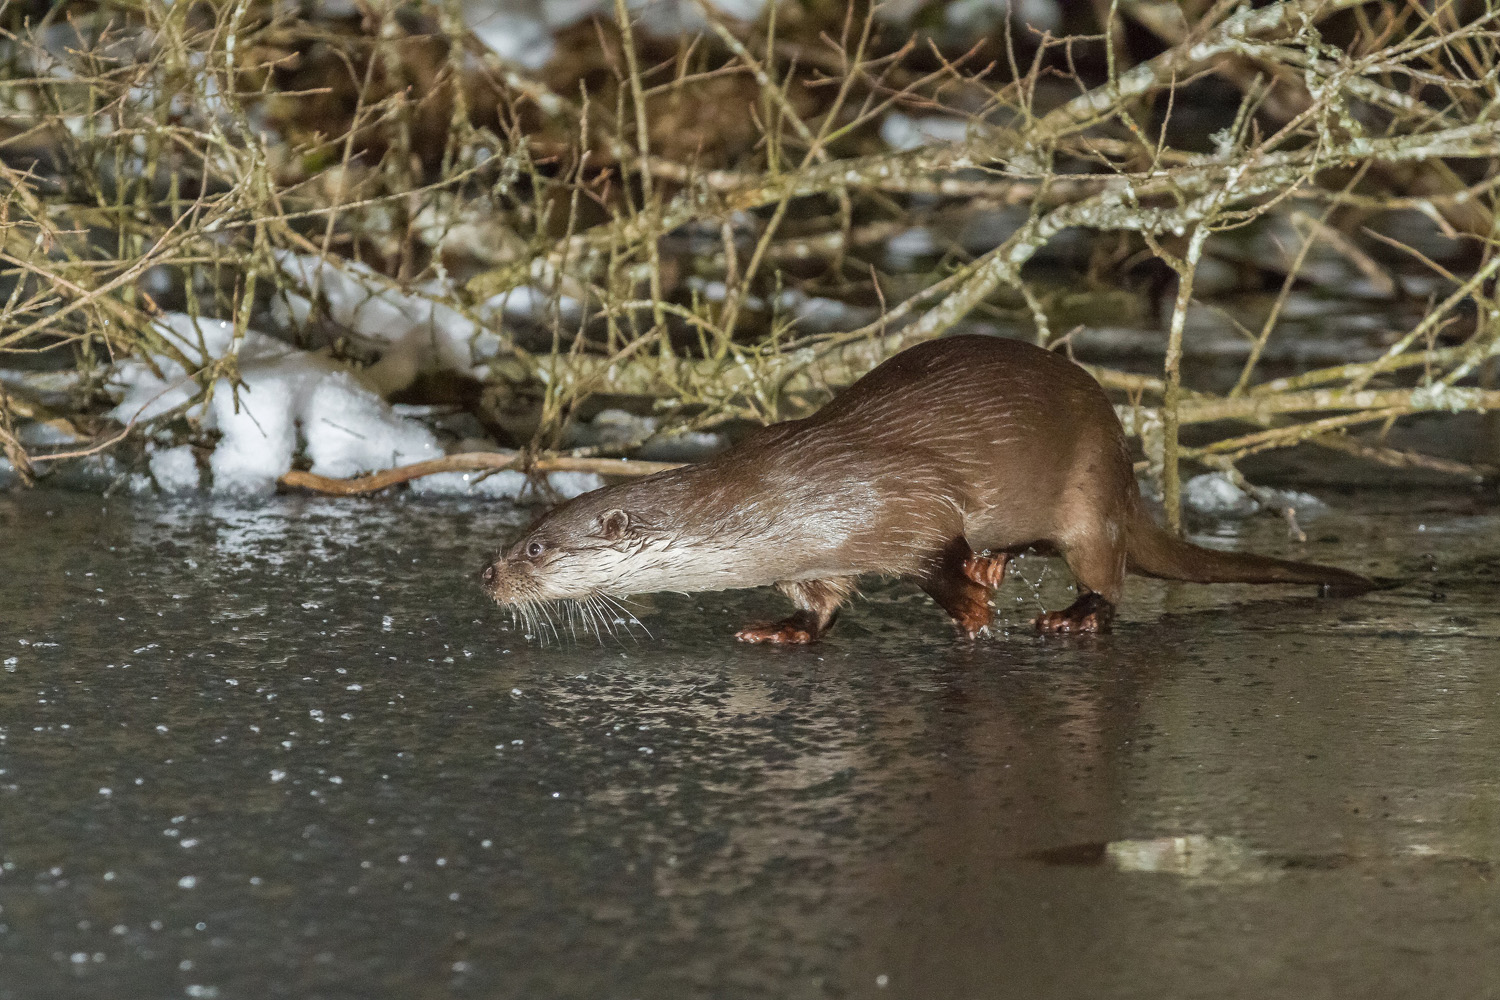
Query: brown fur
x,y
954,448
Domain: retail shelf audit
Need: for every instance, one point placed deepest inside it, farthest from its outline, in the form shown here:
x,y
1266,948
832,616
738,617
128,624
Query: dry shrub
x,y
693,193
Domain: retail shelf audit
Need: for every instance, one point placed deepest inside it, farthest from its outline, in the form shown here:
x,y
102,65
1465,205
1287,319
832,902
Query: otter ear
x,y
613,524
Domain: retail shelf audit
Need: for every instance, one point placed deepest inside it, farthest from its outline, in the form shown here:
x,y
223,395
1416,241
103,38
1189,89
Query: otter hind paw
x,y
1090,613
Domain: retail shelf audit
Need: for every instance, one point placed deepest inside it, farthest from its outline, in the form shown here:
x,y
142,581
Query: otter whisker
x,y
629,616
528,623
608,618
591,618
531,616
547,614
596,619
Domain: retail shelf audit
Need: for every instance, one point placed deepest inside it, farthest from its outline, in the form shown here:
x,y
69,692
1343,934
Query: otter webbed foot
x,y
818,603
793,631
1090,613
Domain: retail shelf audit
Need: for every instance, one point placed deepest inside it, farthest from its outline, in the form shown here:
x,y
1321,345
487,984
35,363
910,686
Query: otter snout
x,y
492,579
507,582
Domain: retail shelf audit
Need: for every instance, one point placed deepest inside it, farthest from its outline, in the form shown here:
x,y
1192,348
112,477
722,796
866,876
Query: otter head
x,y
573,552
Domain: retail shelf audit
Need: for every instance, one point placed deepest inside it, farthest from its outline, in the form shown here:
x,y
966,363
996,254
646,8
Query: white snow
x,y
900,131
620,427
419,331
820,313
1214,494
288,401
909,244
663,17
572,484
506,484
348,429
512,35
175,470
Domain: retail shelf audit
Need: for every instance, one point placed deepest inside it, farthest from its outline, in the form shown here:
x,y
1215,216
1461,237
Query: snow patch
x,y
909,244
507,484
511,34
617,428
175,470
350,430
1215,495
900,131
286,396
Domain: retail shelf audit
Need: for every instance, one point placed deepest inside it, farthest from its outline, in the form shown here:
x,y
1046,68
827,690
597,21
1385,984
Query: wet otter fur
x,y
937,466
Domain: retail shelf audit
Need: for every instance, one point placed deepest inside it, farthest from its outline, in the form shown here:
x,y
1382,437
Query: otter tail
x,y
1154,551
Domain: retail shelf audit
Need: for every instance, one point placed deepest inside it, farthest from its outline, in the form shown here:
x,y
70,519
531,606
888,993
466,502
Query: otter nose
x,y
488,576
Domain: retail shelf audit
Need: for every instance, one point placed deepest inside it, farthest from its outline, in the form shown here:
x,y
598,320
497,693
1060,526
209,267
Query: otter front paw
x,y
785,633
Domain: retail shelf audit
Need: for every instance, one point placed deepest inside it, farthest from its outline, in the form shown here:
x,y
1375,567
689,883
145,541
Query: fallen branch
x,y
470,461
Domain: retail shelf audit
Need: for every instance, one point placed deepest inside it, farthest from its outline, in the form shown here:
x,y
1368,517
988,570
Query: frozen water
x,y
504,484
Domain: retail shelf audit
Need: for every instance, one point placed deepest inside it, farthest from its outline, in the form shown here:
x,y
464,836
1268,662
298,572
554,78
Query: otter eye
x,y
534,549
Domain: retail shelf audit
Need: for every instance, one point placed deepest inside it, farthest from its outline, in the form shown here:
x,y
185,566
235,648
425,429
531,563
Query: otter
x,y
937,466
